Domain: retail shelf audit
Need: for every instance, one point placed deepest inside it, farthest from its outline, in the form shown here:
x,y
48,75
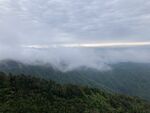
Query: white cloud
x,y
47,22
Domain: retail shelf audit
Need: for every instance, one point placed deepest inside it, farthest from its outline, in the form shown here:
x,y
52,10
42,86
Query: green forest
x,y
126,78
28,94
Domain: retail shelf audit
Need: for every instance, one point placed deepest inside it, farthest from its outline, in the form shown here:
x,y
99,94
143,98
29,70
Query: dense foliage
x,y
26,94
126,78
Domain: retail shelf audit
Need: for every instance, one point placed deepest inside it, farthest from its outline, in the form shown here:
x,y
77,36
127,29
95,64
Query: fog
x,y
24,23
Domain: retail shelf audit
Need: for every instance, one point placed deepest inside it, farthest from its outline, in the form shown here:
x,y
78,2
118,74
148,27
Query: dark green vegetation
x,y
127,78
25,94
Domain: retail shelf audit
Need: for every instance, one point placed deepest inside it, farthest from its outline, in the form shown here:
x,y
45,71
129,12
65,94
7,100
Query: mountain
x,y
26,94
126,78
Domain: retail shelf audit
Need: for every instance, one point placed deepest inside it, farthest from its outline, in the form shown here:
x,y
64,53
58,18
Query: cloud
x,y
50,22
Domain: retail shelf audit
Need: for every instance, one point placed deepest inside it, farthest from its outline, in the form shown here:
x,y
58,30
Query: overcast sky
x,y
46,22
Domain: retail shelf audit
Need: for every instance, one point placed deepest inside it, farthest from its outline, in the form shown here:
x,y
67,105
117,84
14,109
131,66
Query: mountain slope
x,y
126,78
22,94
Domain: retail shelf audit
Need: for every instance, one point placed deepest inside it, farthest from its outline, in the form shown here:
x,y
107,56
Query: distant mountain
x,y
127,78
23,94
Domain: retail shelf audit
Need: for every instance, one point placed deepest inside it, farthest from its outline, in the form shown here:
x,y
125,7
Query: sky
x,y
47,30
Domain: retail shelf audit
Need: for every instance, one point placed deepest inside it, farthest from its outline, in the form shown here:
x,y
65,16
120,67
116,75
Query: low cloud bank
x,y
71,58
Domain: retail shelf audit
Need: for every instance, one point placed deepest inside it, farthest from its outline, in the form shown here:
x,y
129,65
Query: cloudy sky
x,y
29,27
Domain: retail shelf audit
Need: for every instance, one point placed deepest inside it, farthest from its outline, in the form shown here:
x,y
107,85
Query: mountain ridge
x,y
27,94
126,78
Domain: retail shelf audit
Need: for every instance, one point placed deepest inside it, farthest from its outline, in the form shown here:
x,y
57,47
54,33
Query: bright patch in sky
x,y
90,45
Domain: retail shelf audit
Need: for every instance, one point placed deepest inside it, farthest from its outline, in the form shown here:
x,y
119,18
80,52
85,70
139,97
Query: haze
x,y
45,31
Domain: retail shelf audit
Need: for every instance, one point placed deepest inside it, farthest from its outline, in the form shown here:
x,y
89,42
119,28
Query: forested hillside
x,y
127,78
26,94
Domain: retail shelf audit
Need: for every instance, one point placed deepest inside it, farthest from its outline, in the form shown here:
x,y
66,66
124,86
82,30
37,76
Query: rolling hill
x,y
126,78
26,94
